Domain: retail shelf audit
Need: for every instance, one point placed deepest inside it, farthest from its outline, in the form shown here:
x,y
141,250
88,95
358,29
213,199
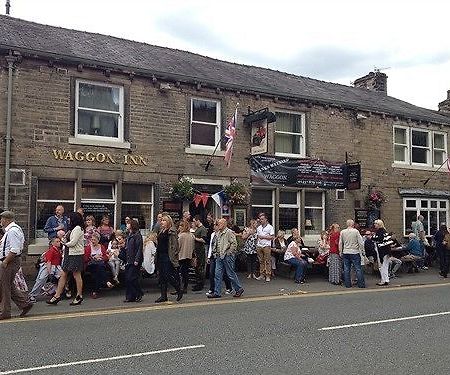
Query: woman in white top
x,y
293,256
73,259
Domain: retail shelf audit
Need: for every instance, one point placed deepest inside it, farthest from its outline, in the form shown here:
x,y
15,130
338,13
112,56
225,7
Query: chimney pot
x,y
374,81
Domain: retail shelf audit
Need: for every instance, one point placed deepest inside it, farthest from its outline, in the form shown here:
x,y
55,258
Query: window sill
x,y
419,167
105,143
199,151
292,156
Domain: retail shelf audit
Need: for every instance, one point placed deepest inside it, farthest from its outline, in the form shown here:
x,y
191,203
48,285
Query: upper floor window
x,y
99,111
205,123
290,134
419,146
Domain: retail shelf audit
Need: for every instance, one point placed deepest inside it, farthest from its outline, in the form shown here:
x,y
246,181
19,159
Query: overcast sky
x,y
331,40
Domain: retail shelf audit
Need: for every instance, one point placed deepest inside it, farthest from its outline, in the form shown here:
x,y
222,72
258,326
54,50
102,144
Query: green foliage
x,y
182,189
237,193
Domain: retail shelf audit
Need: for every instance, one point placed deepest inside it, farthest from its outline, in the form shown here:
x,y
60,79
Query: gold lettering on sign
x,y
90,156
79,155
109,159
141,159
68,156
99,157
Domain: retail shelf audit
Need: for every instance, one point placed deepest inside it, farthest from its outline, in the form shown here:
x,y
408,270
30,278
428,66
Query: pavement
x,y
278,286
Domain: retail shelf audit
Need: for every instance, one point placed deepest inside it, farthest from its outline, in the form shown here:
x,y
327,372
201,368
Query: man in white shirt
x,y
265,234
351,245
11,247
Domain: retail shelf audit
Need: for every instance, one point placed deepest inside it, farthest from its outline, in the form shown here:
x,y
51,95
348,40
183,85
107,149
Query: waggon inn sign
x,y
98,157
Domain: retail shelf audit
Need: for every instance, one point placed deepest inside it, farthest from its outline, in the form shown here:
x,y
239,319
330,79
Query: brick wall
x,y
159,128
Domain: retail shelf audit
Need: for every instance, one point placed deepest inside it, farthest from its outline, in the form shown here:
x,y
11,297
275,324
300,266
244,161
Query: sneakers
x,y
254,276
260,277
267,279
424,268
249,276
238,293
212,295
210,292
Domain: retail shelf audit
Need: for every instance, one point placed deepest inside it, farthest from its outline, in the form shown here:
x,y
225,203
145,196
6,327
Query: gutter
x,y
10,59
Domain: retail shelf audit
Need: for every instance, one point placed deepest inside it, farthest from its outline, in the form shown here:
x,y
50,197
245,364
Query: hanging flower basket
x,y
237,193
183,189
375,199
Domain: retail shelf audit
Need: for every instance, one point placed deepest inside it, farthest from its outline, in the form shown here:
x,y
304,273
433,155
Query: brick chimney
x,y
374,81
445,105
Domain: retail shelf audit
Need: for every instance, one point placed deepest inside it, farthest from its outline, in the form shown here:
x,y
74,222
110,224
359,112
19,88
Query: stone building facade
x,y
109,125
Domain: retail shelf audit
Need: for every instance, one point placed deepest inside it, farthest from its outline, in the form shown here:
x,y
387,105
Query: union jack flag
x,y
230,134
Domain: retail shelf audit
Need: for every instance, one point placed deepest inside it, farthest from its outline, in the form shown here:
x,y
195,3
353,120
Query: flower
x,y
375,199
237,193
183,189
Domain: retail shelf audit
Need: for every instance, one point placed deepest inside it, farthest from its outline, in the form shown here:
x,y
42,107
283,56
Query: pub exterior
x,y
111,125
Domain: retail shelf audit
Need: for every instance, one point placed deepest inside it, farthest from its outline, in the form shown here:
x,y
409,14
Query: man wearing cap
x,y
11,247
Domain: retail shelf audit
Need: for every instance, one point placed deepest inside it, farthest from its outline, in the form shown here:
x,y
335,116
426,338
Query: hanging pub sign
x,y
352,173
272,170
259,137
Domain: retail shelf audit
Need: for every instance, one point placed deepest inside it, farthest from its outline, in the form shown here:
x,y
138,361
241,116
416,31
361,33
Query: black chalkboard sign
x,y
361,217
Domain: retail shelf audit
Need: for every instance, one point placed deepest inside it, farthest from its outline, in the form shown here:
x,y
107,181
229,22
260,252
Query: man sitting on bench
x,y
415,254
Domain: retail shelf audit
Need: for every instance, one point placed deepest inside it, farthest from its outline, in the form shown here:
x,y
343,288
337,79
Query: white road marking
x,y
68,364
384,321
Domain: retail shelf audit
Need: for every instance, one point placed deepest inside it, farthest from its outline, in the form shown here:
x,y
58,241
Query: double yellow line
x,y
209,303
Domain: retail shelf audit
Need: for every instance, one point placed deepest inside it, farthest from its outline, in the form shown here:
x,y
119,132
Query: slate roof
x,y
107,51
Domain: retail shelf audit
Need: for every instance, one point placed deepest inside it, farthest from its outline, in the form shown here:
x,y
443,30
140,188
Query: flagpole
x,y
208,163
429,178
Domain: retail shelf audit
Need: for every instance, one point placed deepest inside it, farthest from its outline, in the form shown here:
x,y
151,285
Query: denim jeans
x,y
300,266
212,275
354,259
226,263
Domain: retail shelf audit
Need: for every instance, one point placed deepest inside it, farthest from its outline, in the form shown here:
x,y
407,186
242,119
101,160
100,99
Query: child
x,y
50,266
114,261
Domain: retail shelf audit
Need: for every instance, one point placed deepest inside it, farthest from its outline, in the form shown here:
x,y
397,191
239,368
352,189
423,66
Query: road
x,y
279,335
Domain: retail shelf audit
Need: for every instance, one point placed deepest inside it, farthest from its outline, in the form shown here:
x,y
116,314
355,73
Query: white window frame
x,y
317,208
216,125
145,231
407,145
444,150
291,205
120,130
429,148
418,210
265,206
430,159
302,153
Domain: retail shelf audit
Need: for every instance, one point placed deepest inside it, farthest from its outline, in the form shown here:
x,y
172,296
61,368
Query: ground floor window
x,y
434,211
289,214
263,201
51,193
314,212
97,199
137,203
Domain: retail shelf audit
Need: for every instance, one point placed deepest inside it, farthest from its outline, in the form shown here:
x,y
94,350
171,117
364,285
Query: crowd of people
x,y
77,247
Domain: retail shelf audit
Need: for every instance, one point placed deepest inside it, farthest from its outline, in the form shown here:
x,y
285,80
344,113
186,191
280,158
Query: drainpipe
x,y
10,60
